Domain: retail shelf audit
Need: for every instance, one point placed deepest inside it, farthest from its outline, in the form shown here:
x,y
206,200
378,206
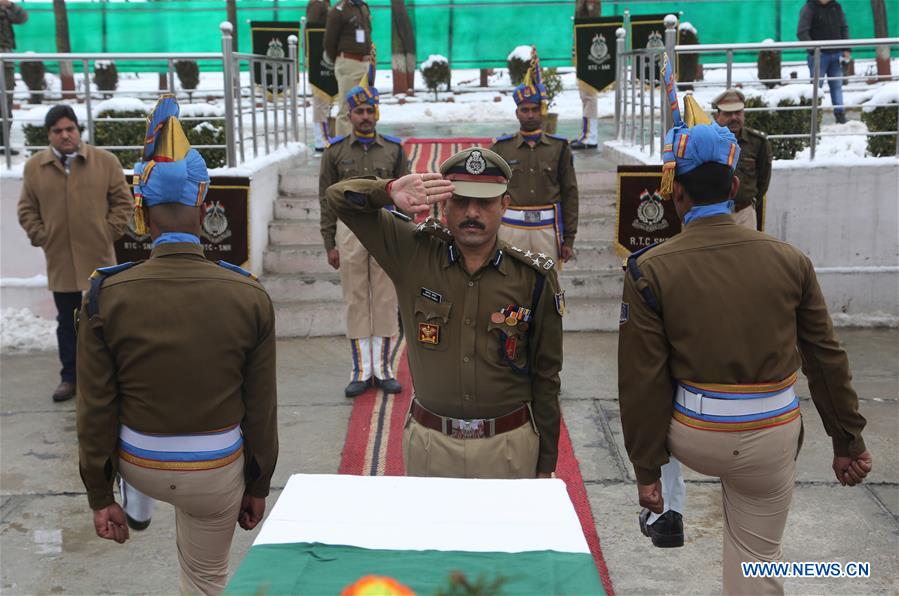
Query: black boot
x,y
665,532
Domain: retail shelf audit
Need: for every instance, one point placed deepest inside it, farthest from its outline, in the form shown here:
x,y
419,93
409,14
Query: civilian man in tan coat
x,y
74,204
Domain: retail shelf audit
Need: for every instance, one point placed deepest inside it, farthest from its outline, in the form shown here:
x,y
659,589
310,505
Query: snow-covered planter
x,y
436,72
783,122
33,75
518,61
688,67
882,119
106,76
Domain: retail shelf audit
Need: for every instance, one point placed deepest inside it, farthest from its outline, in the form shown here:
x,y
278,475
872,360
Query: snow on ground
x,y
22,331
842,147
868,320
432,60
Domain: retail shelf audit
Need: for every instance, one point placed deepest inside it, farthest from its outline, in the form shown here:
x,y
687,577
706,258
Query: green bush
x,y
436,72
553,84
189,75
106,76
768,66
785,122
117,134
881,120
209,133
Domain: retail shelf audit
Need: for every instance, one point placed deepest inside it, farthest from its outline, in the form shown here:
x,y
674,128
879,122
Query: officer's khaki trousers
x,y
207,503
746,217
757,471
538,240
369,294
512,454
348,73
588,103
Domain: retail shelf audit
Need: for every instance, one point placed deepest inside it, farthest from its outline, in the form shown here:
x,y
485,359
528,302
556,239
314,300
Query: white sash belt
x,y
712,406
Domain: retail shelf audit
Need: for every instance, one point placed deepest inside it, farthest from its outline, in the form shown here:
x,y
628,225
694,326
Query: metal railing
x,y
642,121
256,117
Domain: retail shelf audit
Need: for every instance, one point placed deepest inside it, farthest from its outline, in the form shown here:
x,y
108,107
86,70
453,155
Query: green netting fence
x,y
471,33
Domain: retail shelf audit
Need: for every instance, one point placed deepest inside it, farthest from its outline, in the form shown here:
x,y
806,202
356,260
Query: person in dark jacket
x,y
821,20
10,14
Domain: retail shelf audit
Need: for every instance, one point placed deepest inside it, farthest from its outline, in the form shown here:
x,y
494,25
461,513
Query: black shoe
x,y
577,145
840,117
357,388
137,526
11,151
64,392
666,532
319,149
389,385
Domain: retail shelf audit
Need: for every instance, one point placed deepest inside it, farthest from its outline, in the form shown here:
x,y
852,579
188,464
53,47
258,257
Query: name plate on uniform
x,y
225,226
642,217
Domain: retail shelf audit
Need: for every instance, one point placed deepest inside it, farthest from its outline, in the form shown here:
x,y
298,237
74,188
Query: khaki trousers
x,y
348,73
369,294
746,218
321,108
589,103
207,503
536,240
757,471
512,454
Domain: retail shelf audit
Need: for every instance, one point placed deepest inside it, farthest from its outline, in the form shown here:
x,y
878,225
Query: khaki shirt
x,y
188,346
541,175
456,353
344,19
74,217
738,307
348,157
754,166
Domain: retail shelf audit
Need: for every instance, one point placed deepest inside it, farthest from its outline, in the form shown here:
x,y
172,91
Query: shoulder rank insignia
x,y
556,137
236,269
392,139
113,269
335,140
503,138
433,227
538,260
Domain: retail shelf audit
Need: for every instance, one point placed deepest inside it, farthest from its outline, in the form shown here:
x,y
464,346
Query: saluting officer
x,y
482,320
176,372
734,413
347,47
754,167
367,291
544,210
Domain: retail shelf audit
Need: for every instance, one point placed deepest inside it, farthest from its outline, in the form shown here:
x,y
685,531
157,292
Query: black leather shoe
x,y
64,392
576,145
135,525
840,117
665,532
357,388
389,385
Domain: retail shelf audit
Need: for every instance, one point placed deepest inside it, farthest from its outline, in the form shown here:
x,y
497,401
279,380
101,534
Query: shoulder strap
x,y
93,297
634,271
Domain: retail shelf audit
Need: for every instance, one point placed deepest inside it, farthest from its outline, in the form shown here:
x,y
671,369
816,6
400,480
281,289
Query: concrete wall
x,y
845,216
22,265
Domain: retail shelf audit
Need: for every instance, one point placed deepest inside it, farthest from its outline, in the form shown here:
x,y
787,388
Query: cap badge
x,y
475,164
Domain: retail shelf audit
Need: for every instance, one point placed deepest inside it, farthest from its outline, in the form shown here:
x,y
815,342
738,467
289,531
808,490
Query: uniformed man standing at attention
x,y
176,372
482,320
715,390
369,294
316,16
347,47
754,167
543,214
589,137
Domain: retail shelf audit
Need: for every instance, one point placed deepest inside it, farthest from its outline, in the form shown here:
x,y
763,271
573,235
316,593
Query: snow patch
x,y
206,126
865,320
794,93
845,146
121,104
432,60
22,331
38,281
687,26
888,93
522,53
195,110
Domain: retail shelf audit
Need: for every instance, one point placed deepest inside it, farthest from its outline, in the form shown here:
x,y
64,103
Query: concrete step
x,y
313,318
595,285
310,258
307,231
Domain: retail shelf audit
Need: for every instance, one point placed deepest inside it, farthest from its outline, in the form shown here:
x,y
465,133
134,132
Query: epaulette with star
x,y
757,133
236,269
537,260
434,228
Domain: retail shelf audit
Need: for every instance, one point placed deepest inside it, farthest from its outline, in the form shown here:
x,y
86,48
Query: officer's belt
x,y
699,403
195,451
479,428
540,215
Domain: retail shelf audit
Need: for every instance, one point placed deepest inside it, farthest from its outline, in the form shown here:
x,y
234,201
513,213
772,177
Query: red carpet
x,y
374,447
426,155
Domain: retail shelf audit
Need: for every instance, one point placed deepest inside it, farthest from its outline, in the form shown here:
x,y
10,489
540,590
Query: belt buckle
x,y
532,216
468,429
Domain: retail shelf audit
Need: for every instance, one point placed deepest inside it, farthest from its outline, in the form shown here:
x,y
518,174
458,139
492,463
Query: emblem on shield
x,y
599,51
650,213
655,41
475,164
275,49
215,223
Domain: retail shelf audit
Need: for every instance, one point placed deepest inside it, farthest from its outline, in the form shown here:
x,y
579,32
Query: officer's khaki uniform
x,y
348,43
700,278
317,15
456,356
754,172
589,103
369,294
187,347
543,180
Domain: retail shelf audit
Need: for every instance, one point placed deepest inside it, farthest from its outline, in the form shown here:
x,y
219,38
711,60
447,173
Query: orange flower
x,y
376,585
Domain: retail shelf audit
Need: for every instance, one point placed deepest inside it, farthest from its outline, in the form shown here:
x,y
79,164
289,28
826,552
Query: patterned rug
x,y
426,155
374,447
